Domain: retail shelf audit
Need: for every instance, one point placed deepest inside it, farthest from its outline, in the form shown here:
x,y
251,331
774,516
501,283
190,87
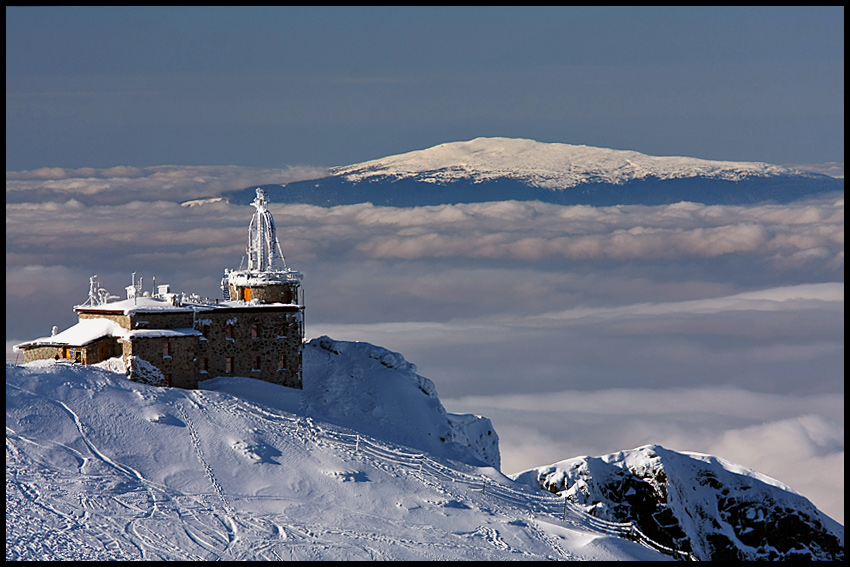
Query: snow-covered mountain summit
x,y
503,169
363,463
548,165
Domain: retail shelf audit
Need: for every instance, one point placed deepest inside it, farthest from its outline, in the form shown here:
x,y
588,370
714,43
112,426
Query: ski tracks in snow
x,y
199,530
81,525
299,538
199,452
143,519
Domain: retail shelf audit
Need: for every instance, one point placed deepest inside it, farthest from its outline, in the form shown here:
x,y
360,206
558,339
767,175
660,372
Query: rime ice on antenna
x,y
263,247
97,294
267,279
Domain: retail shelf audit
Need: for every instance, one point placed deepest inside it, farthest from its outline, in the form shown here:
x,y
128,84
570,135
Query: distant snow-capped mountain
x,y
498,169
547,165
363,463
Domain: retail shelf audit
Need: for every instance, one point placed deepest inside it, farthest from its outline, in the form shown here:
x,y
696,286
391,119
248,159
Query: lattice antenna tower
x,y
264,252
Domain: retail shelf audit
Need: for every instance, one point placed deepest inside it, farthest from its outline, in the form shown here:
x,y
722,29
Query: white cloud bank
x,y
798,440
718,329
122,184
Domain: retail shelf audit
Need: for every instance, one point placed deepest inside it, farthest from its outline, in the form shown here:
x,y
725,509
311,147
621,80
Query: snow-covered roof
x,y
89,330
128,306
242,304
158,304
84,332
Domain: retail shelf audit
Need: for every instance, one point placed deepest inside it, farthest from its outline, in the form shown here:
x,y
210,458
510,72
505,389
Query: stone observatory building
x,y
175,339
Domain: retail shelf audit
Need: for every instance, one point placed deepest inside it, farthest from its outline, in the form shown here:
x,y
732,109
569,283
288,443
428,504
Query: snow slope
x,y
548,165
364,463
98,467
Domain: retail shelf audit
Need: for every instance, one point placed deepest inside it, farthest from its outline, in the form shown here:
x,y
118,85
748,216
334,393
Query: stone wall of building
x,y
286,292
102,349
120,318
174,356
42,352
176,319
92,353
262,342
163,319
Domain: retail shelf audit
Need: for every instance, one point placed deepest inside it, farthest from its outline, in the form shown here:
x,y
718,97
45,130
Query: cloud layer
x,y
121,184
785,437
707,328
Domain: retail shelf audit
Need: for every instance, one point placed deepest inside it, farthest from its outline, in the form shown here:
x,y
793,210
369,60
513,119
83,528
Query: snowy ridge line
x,y
491,487
641,538
197,524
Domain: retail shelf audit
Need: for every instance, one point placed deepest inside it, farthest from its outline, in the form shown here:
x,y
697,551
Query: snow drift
x,y
378,393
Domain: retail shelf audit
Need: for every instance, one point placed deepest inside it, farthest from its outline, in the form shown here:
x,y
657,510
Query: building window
x,y
256,364
166,349
228,331
205,364
228,365
205,331
255,330
281,362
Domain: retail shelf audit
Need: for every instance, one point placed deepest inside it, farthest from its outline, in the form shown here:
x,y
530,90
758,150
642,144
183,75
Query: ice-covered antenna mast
x,y
94,285
263,247
97,294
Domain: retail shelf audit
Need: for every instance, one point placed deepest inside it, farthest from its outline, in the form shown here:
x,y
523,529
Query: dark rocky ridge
x,y
699,506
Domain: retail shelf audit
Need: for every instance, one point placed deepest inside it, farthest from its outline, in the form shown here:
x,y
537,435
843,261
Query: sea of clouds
x,y
578,330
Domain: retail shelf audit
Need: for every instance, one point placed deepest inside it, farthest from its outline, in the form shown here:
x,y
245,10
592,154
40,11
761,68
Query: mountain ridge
x,y
501,169
362,464
99,467
701,504
554,166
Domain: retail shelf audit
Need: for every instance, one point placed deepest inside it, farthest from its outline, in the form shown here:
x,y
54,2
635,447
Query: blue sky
x,y
276,87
